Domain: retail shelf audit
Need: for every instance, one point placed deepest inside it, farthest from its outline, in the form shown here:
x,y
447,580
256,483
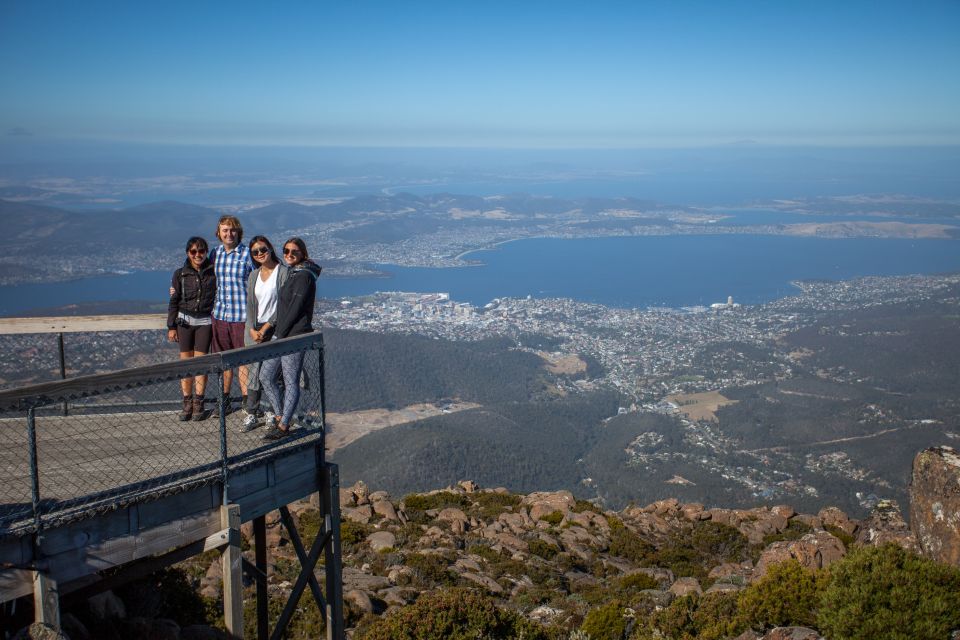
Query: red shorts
x,y
227,335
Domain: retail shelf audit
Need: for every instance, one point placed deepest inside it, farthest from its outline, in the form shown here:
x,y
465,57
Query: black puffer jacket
x,y
193,292
296,299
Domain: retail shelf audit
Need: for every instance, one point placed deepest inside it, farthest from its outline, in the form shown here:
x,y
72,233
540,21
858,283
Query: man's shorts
x,y
227,335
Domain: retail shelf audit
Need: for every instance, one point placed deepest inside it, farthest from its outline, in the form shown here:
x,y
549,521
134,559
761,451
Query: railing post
x,y
34,468
330,507
231,564
223,432
63,365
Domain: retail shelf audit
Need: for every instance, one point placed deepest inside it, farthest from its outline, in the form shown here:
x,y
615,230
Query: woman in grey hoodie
x,y
263,293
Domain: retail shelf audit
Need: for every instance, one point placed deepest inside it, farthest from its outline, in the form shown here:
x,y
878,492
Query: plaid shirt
x,y
232,270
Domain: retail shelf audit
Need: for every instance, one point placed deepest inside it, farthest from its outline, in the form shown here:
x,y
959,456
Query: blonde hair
x,y
230,221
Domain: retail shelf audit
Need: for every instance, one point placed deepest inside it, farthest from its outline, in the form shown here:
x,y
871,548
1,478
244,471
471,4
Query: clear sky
x,y
482,72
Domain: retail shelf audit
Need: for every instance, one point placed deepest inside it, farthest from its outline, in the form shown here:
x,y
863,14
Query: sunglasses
x,y
291,252
198,252
259,251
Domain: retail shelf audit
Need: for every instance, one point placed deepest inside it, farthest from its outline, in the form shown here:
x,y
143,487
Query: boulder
x,y
783,510
380,540
39,631
486,582
834,517
356,495
886,524
107,605
452,514
385,509
469,486
668,507
692,511
685,586
356,579
71,626
358,514
360,600
813,551
543,503
935,504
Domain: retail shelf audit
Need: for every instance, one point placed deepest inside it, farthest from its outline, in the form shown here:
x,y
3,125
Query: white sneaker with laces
x,y
250,422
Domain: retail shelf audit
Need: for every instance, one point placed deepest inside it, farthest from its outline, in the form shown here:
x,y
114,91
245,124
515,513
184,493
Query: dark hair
x,y
265,240
197,241
230,221
300,245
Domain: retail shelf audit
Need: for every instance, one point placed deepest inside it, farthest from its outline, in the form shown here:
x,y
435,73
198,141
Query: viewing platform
x,y
101,483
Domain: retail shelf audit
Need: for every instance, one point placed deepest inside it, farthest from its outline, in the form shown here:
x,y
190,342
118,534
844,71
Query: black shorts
x,y
195,338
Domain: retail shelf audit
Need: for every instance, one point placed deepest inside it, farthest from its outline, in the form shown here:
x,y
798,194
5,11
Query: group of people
x,y
238,295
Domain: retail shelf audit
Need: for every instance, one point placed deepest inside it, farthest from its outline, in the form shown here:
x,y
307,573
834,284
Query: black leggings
x,y
195,337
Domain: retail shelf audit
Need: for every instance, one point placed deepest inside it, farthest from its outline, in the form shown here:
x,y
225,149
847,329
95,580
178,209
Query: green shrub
x,y
439,500
554,518
692,552
309,526
638,582
431,569
841,535
585,505
627,544
490,504
788,595
706,617
543,549
605,622
451,614
352,533
888,593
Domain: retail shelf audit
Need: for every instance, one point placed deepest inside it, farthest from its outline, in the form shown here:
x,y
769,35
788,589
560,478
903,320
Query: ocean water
x,y
634,272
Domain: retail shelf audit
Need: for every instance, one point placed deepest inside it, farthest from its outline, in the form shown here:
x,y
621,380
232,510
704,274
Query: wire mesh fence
x,y
94,443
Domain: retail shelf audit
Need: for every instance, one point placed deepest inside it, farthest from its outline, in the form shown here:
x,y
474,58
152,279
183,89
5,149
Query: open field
x,y
700,406
344,428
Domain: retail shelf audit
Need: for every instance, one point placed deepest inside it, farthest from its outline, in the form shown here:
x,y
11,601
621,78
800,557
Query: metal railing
x,y
93,443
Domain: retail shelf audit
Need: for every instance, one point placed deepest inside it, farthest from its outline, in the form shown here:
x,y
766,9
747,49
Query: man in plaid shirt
x,y
232,264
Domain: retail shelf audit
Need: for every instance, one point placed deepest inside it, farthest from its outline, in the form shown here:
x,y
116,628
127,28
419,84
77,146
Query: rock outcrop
x,y
935,503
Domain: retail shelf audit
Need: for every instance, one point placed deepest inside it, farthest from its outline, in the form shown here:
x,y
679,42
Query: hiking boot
x,y
250,423
187,410
275,433
227,409
199,413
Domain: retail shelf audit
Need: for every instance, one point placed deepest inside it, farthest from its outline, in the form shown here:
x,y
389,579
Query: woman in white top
x,y
263,290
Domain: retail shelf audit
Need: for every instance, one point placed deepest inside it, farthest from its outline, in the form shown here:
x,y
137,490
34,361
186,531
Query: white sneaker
x,y
250,423
269,419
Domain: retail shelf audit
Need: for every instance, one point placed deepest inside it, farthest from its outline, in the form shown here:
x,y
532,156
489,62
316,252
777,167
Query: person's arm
x,y
251,306
173,308
291,302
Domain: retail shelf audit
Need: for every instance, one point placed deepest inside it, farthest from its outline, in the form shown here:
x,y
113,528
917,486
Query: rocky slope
x,y
555,560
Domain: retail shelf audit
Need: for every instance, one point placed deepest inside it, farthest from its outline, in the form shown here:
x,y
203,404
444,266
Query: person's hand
x,y
172,291
172,335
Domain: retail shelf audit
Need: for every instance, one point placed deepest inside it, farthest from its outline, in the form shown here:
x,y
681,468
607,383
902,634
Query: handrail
x,y
45,393
119,451
83,324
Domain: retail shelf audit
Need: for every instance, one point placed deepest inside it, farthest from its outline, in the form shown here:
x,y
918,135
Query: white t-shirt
x,y
266,293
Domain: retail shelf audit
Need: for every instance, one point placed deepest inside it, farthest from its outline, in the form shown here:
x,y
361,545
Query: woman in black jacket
x,y
194,289
294,317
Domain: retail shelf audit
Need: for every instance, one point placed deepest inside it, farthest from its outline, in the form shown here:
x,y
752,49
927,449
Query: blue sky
x,y
482,73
